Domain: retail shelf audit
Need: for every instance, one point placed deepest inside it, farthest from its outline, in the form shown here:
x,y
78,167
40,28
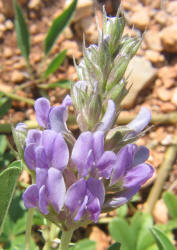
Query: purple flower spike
x,y
42,109
140,122
109,117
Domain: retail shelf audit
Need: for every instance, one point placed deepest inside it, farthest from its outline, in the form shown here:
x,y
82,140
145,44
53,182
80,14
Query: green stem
x,y
65,239
28,228
18,98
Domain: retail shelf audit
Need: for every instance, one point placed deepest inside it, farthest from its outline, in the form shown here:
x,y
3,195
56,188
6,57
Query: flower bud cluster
x,y
78,178
101,72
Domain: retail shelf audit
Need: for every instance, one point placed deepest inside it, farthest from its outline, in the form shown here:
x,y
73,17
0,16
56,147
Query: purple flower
x,y
46,149
89,157
52,117
48,190
128,175
85,199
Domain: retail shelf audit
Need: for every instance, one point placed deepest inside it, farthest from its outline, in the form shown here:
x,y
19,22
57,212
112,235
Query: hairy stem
x,y
166,166
65,239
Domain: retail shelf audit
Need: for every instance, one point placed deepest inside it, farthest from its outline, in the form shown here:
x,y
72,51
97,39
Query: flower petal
x,y
34,136
120,198
141,155
43,200
48,140
75,195
121,165
96,188
56,189
140,122
30,156
60,153
81,149
41,158
138,175
41,177
108,118
42,109
31,196
107,159
57,119
98,144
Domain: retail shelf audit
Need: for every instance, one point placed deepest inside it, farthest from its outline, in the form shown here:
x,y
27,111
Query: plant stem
x,y
18,98
166,166
28,228
65,239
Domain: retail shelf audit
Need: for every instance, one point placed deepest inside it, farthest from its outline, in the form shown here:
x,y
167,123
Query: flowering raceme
x,y
78,178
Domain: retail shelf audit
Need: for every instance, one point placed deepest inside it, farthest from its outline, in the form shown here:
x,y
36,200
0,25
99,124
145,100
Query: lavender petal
x,y
42,109
56,189
31,196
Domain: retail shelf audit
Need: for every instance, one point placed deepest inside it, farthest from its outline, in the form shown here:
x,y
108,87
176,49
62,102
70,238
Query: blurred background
x,y
152,74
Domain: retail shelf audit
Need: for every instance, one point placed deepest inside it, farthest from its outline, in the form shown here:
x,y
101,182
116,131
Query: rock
x,y
17,77
140,19
72,49
7,7
152,40
164,94
169,38
67,33
2,28
9,25
39,38
8,53
161,17
167,107
2,18
84,9
154,56
167,74
160,212
172,8
174,97
140,74
34,4
33,29
88,27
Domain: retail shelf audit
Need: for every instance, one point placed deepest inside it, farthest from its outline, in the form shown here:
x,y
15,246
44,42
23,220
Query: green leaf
x,y
122,211
57,27
84,244
121,232
141,223
23,37
171,203
64,84
8,179
5,104
3,144
161,239
115,246
54,64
